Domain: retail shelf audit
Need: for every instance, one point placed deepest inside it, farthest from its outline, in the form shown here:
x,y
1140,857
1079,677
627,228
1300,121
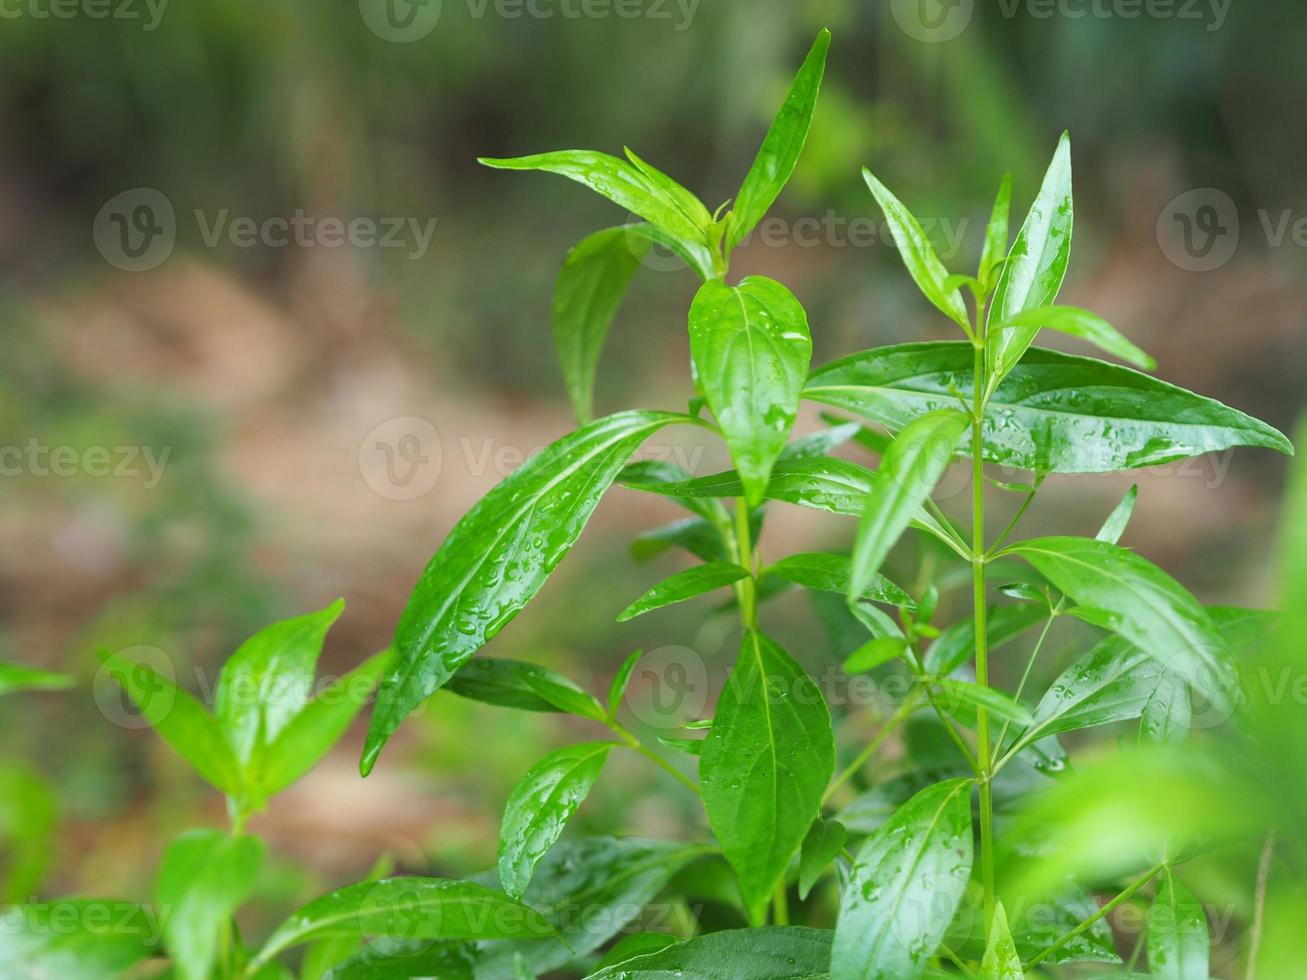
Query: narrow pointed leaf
x,y
181,721
957,644
875,652
540,806
1118,520
1074,322
773,953
701,538
751,349
823,844
16,677
502,683
995,701
497,557
830,573
636,944
781,147
1135,599
905,886
309,736
629,186
996,236
406,961
1178,944
1001,960
590,288
916,460
1036,266
204,876
409,908
1053,413
918,253
765,765
685,585
617,690
566,695
1167,714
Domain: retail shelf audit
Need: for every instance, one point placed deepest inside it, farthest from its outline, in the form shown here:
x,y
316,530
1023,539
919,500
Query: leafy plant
x,y
956,862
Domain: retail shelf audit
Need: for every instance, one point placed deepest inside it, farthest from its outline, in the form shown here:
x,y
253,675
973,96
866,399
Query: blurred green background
x,y
265,377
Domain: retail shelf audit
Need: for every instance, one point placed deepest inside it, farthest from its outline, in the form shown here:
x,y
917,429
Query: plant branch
x,y
980,613
1106,910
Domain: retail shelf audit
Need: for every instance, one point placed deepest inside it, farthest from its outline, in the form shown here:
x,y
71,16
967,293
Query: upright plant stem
x,y
984,762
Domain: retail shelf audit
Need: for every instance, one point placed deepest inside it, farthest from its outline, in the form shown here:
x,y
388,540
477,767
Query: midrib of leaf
x,y
900,883
771,736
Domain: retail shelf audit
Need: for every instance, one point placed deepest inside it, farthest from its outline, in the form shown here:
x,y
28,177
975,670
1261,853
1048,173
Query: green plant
x,y
922,879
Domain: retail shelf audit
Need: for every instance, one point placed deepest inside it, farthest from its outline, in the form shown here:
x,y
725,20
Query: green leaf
x,y
996,236
821,442
322,955
405,909
502,683
905,886
617,690
1117,521
781,147
590,288
1033,273
685,585
610,880
823,844
751,351
1074,322
640,189
266,682
1132,597
16,677
1178,944
180,720
204,876
1053,413
957,644
830,573
1036,926
81,938
765,765
636,944
29,814
650,474
1112,682
699,537
566,695
1167,714
406,961
540,806
497,557
773,953
995,701
310,734
918,254
1001,960
876,651
916,460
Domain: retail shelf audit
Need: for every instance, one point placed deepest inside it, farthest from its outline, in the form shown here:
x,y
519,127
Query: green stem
x,y
949,727
631,742
1025,675
869,750
1125,896
780,905
980,614
1016,519
746,589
